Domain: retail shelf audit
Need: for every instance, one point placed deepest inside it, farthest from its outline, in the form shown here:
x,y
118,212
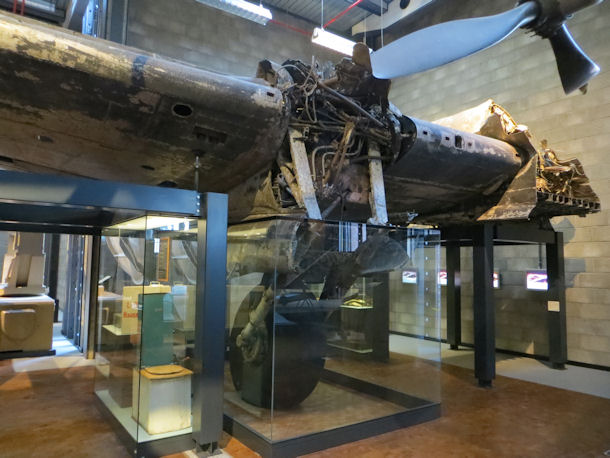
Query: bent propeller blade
x,y
446,42
575,67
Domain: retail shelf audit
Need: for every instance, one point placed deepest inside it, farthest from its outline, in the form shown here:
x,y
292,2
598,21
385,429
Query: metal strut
x,y
379,210
303,174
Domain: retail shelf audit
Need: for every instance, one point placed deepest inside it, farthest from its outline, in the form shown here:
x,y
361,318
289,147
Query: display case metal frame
x,y
70,205
482,238
417,410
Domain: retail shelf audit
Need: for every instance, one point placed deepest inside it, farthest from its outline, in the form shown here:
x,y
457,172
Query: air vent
x,y
209,136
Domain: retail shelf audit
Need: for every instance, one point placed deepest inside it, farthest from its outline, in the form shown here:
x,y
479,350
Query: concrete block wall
x,y
211,39
521,316
521,75
415,309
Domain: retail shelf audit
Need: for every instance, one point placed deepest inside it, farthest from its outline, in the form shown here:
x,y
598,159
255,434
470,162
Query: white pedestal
x,y
164,400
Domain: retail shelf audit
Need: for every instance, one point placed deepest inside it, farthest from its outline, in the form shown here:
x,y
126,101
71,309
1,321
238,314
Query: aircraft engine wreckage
x,y
350,155
322,142
297,139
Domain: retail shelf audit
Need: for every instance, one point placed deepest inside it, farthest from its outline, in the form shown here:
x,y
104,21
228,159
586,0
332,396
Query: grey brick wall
x,y
211,39
521,75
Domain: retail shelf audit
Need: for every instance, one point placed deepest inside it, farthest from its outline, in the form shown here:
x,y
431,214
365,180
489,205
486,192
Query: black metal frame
x,y
417,410
482,238
25,354
60,204
211,303
420,411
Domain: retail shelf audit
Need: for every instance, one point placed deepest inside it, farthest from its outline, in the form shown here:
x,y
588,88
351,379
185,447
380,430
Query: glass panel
x,y
147,275
118,333
311,305
251,256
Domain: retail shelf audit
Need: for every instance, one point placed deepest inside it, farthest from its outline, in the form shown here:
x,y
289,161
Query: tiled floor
x,y
66,355
51,413
573,378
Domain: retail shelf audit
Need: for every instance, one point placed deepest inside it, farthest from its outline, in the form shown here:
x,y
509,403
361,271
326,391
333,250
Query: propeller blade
x,y
443,43
575,67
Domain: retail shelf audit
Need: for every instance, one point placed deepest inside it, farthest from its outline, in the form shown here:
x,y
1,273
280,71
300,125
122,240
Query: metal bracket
x,y
303,174
377,200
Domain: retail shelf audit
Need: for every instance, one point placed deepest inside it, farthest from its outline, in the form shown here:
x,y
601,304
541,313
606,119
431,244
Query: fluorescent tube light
x,y
335,42
247,10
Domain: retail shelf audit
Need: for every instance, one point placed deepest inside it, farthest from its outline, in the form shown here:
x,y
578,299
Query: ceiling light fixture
x,y
247,10
330,40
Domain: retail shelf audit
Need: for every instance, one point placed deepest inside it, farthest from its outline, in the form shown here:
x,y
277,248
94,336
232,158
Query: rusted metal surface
x,y
306,194
311,140
443,167
545,185
104,110
378,203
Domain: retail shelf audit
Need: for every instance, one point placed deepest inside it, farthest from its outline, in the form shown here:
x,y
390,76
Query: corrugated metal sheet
x,y
311,11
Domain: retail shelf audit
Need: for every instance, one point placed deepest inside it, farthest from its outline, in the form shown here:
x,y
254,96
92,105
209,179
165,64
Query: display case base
x,y
419,411
149,449
25,354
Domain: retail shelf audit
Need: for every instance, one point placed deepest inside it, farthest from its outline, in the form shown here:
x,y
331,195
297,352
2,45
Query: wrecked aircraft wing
x,y
74,104
545,185
308,140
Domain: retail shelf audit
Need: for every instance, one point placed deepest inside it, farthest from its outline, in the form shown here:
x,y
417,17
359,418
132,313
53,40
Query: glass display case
x,y
312,361
146,323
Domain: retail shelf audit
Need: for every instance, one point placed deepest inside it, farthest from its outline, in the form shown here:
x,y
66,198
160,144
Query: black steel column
x,y
558,348
53,260
483,305
116,21
211,303
381,318
454,295
92,325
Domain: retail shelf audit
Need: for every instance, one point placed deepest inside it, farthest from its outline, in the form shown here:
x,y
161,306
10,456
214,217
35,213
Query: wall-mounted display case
x,y
311,362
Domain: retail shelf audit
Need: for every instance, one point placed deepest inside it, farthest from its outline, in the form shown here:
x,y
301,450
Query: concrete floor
x,y
50,412
66,355
573,378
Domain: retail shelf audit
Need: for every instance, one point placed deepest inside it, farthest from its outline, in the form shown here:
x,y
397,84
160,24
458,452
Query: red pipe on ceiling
x,y
290,27
342,13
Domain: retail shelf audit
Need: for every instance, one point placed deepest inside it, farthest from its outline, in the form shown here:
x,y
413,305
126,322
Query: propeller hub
x,y
554,13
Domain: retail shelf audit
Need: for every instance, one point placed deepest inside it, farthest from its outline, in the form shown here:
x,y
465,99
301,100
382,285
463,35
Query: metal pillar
x,y
53,260
116,21
483,305
96,244
381,318
558,349
454,295
208,389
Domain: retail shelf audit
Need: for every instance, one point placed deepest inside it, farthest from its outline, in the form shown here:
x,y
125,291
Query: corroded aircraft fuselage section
x,y
74,104
294,140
